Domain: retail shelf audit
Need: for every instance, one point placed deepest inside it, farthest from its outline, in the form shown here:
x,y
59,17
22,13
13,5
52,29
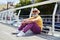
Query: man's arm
x,y
34,20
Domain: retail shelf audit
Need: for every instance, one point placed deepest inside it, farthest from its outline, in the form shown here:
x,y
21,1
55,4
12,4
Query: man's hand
x,y
25,21
28,21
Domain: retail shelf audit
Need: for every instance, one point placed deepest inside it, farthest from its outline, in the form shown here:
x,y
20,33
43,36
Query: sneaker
x,y
16,32
21,33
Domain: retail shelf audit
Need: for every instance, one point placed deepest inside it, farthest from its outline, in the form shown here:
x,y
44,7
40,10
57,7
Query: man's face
x,y
35,13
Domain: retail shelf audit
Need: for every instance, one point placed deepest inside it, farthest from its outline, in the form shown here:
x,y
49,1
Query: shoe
x,y
21,33
16,32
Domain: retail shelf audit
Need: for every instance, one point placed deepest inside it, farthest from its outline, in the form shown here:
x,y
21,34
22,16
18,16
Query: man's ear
x,y
38,11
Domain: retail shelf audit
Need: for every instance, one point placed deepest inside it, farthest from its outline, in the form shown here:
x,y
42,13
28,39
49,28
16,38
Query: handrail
x,y
36,4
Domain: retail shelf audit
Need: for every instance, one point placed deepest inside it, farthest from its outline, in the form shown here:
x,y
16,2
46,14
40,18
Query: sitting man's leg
x,y
33,26
19,28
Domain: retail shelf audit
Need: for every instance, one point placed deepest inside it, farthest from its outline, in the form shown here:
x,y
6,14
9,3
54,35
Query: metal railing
x,y
48,18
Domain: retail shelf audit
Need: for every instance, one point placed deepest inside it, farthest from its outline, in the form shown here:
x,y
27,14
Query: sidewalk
x,y
5,34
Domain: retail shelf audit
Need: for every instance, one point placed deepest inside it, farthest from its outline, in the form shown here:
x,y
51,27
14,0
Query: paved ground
x,y
6,30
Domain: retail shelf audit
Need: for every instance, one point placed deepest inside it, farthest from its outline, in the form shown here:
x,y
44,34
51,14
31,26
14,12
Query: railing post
x,y
3,16
53,18
31,12
18,15
11,15
6,16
